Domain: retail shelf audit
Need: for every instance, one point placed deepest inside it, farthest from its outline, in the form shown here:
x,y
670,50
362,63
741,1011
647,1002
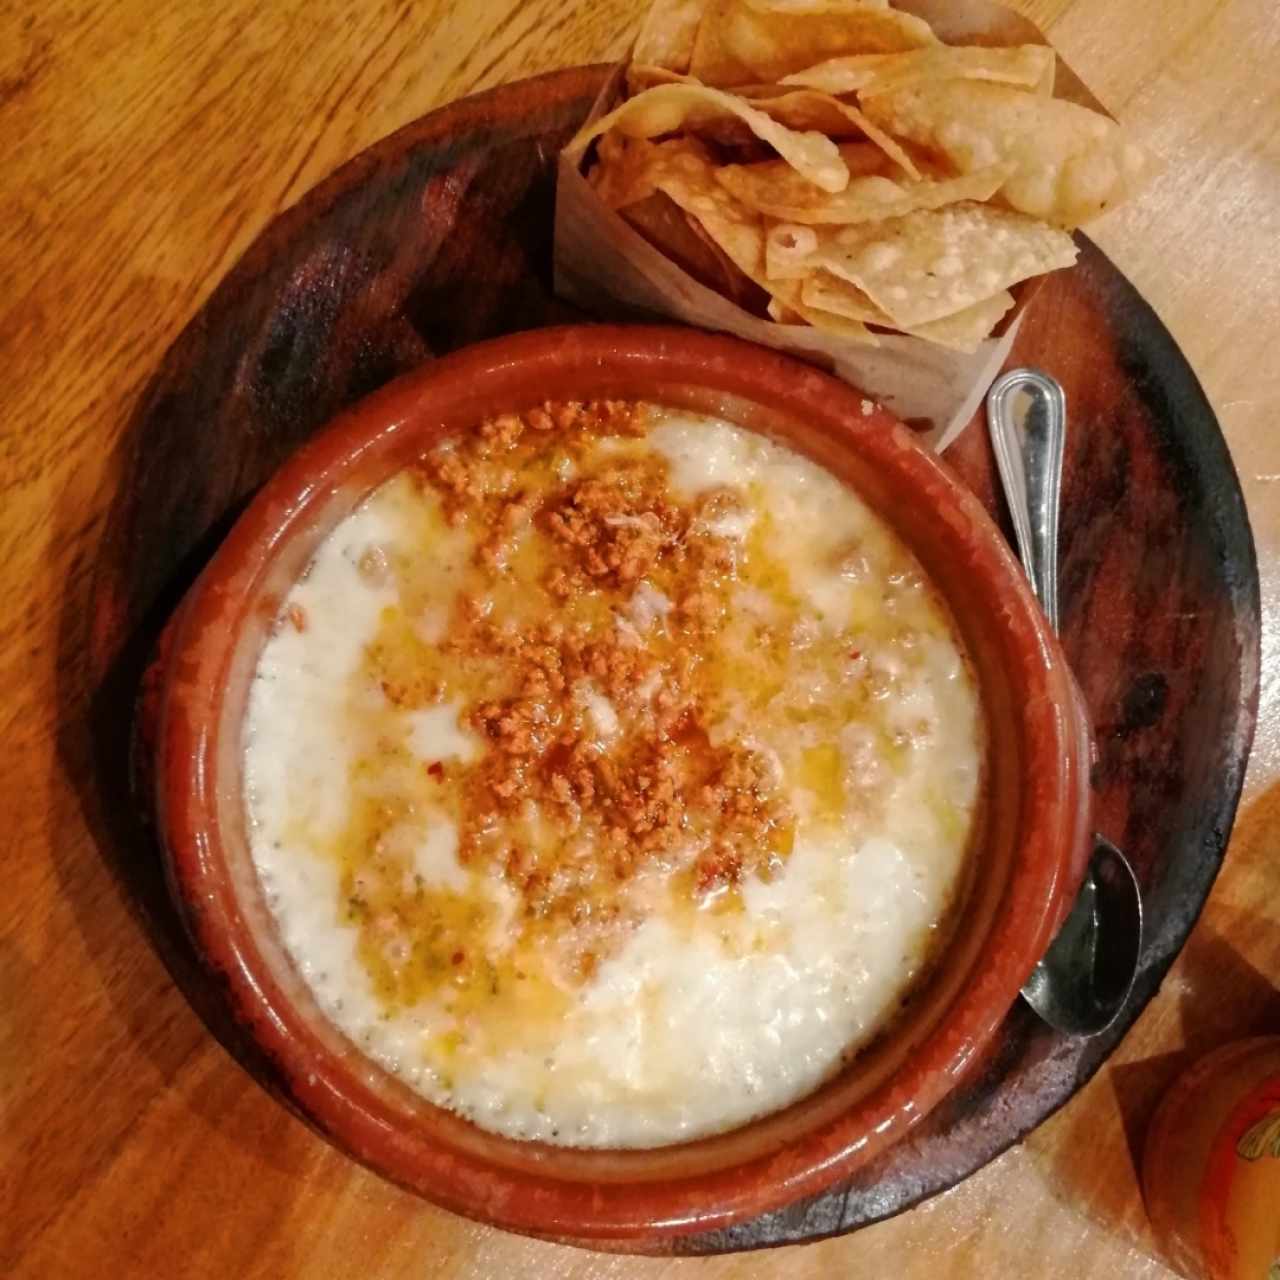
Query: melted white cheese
x,y
696,1024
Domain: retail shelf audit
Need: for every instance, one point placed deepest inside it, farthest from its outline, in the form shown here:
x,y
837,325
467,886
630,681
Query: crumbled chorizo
x,y
568,812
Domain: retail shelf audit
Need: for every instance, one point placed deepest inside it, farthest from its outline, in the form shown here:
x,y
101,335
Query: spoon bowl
x,y
1085,977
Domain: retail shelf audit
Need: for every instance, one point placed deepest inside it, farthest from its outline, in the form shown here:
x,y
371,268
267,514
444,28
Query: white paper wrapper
x,y
606,267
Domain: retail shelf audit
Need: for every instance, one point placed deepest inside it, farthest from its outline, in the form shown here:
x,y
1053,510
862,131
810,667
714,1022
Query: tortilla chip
x,y
816,318
642,76
776,190
622,172
682,239
1067,164
1028,66
667,36
862,159
928,264
967,330
826,292
746,41
964,331
831,322
670,108
807,109
626,168
739,232
791,252
735,228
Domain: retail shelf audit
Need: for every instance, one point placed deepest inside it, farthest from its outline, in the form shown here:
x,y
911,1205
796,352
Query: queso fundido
x,y
610,774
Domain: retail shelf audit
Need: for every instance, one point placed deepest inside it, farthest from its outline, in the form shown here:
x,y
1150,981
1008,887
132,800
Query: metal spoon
x,y
1085,977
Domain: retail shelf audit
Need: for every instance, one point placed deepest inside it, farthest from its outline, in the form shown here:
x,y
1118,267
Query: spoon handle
x,y
1030,460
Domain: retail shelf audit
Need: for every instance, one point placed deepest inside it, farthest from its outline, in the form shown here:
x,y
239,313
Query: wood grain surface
x,y
143,149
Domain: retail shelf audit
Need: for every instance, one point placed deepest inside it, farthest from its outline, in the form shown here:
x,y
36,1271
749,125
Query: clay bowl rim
x,y
371,1115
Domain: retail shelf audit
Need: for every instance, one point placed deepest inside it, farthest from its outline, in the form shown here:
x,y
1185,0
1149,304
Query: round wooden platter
x,y
441,235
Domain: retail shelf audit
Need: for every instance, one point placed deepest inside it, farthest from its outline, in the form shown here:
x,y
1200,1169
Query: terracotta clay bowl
x,y
1030,843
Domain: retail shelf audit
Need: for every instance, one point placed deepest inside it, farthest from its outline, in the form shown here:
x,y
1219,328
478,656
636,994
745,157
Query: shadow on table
x,y
97,793
1213,995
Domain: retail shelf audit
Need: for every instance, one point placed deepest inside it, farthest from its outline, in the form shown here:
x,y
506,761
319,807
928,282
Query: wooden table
x,y
142,147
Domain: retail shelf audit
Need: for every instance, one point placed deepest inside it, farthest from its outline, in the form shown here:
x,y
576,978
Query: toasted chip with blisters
x,y
966,330
796,312
750,41
791,251
1028,66
1067,164
644,75
808,109
740,233
862,159
622,174
629,167
670,108
826,292
684,241
963,331
776,190
735,228
931,263
853,330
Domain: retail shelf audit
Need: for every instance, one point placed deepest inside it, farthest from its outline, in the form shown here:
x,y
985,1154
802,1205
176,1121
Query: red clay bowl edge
x,y
1042,814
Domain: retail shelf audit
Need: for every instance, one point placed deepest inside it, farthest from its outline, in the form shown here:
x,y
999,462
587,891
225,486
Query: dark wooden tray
x,y
441,235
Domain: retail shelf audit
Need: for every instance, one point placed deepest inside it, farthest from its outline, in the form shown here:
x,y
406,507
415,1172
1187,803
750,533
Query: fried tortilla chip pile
x,y
832,163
